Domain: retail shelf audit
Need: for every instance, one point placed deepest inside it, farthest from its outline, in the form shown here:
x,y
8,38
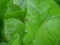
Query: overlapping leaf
x,y
14,31
3,7
14,11
40,12
41,17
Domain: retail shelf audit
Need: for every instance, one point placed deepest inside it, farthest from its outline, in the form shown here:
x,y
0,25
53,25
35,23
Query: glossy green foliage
x,y
29,22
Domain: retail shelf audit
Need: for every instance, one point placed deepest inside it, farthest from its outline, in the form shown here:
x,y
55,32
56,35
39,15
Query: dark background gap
x,y
58,2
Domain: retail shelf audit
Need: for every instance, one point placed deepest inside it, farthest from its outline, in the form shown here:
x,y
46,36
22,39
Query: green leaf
x,y
18,15
3,43
29,22
11,7
14,11
14,31
21,3
48,33
3,7
38,13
